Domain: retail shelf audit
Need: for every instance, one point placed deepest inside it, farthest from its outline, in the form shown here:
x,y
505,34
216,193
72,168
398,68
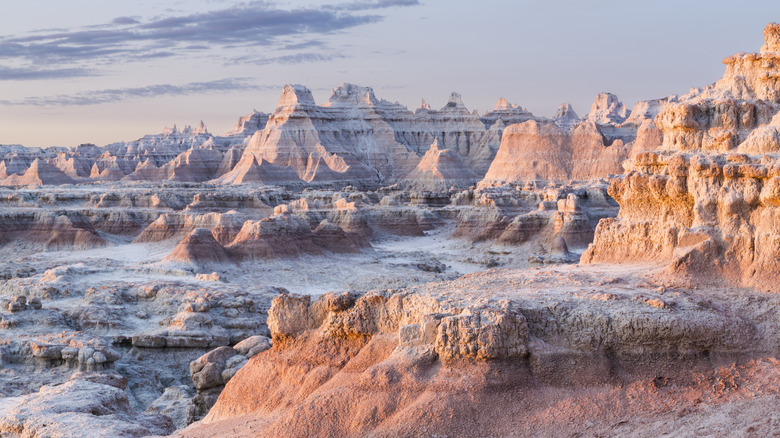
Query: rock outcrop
x,y
405,363
607,109
94,406
565,117
532,150
707,203
571,149
439,170
249,124
199,248
39,173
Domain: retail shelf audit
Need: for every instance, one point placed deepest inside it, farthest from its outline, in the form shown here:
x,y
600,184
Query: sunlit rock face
x,y
565,117
606,109
355,138
358,138
707,202
569,148
439,170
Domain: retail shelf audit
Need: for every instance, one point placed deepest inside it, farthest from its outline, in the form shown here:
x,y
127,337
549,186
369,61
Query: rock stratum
x,y
360,269
707,202
510,354
355,139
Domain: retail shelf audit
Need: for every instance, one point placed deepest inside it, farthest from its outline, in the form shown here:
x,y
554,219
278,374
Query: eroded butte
x,y
360,269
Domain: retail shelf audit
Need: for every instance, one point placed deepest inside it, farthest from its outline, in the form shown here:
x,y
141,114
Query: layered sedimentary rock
x,y
606,109
358,138
52,229
571,149
249,124
439,170
355,138
566,117
93,405
225,226
193,165
708,202
547,218
592,157
509,114
286,235
200,248
249,170
532,150
39,173
409,363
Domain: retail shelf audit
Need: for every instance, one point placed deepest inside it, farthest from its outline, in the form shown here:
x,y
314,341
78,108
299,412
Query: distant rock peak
x,y
249,124
566,117
504,104
607,108
351,94
771,38
565,110
424,105
293,95
170,131
455,101
201,129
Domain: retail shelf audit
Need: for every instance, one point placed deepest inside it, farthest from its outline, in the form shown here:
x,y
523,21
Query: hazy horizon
x,y
91,72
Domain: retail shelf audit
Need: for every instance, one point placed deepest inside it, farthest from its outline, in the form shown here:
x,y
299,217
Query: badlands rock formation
x,y
586,350
359,269
569,149
439,170
439,358
706,203
354,139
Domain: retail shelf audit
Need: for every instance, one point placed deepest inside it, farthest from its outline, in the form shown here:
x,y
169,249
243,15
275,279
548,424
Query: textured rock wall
x,y
707,203
346,364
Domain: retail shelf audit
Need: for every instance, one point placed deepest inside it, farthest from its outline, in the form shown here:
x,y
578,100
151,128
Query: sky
x,y
101,71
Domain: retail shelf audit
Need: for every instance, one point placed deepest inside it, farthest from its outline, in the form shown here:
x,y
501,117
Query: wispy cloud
x,y
297,58
119,94
252,24
35,73
371,4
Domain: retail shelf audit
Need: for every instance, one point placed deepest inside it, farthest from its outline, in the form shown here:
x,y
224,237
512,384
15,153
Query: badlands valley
x,y
356,268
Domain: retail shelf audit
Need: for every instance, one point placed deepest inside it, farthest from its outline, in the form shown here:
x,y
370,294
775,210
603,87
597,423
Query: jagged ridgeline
x,y
358,139
708,202
360,269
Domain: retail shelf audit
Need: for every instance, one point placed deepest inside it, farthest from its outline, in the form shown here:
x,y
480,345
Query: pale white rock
x,y
439,170
648,109
39,173
607,109
80,408
565,117
249,124
509,113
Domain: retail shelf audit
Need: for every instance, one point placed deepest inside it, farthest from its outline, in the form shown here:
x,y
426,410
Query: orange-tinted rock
x,y
199,248
39,173
439,170
705,203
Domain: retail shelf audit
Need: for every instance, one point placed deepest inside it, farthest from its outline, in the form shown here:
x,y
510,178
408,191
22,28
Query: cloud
x,y
125,20
34,73
304,45
297,58
252,24
376,4
96,97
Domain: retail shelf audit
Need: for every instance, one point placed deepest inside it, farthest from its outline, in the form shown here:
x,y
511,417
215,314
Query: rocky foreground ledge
x,y
509,353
